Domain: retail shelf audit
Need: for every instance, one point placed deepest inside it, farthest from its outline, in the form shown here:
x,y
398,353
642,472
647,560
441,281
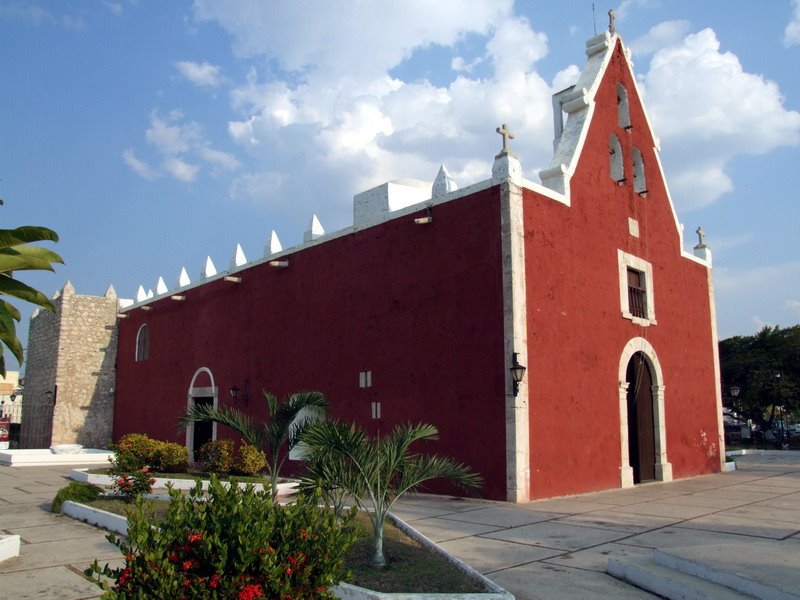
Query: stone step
x,y
644,572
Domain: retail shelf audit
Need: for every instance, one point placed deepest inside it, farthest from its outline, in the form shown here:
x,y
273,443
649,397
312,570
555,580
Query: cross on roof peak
x,y
507,135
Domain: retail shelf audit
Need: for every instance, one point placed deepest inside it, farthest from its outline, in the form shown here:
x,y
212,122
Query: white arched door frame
x,y
663,466
200,392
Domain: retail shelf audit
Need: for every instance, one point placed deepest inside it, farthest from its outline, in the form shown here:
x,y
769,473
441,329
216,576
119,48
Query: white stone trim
x,y
515,331
663,466
200,392
625,261
712,307
146,328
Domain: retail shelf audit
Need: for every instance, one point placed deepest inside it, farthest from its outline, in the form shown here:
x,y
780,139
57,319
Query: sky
x,y
151,135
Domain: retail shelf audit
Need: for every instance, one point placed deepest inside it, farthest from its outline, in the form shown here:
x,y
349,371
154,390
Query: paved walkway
x,y
547,549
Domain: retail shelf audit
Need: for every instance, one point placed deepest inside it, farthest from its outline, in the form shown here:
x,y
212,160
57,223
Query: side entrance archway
x,y
643,432
202,390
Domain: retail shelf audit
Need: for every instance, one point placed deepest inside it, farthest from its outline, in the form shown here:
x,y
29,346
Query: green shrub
x,y
216,456
135,484
237,544
249,460
170,457
137,450
77,492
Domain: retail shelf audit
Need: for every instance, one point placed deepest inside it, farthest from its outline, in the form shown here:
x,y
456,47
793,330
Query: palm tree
x,y
17,255
376,472
277,435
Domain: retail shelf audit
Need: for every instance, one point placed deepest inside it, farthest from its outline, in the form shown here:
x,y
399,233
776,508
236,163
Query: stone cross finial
x,y
507,135
611,19
701,236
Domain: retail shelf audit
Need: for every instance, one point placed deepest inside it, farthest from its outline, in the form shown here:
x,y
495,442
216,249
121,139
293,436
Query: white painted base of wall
x,y
44,457
728,467
9,546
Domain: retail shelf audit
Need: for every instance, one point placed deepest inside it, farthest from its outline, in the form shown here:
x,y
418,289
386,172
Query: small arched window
x,y
623,114
639,183
143,343
616,168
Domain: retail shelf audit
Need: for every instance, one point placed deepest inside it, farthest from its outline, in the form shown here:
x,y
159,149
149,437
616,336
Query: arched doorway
x,y
202,390
641,423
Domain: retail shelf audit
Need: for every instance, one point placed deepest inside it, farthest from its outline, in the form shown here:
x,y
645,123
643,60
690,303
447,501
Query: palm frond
x,y
12,287
230,417
25,235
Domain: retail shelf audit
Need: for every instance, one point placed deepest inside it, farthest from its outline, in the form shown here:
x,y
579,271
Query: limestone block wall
x,y
72,355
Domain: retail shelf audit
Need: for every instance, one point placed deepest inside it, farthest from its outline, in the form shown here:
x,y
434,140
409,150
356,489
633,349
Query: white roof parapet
x,y
141,295
443,184
239,259
507,168
209,270
376,205
314,231
150,294
274,246
161,287
183,278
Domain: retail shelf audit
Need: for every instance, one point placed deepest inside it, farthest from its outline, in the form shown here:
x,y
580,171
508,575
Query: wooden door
x,y
641,424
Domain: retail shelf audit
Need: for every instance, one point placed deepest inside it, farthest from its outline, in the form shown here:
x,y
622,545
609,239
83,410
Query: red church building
x,y
419,311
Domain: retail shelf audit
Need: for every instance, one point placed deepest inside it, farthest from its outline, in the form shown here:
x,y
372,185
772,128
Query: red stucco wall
x,y
576,333
419,306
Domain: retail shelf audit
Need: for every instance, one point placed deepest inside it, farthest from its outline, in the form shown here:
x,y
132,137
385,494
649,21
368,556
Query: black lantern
x,y
735,389
234,392
517,373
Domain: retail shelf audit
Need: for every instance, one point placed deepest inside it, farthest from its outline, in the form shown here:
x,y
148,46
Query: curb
x,y
95,516
9,547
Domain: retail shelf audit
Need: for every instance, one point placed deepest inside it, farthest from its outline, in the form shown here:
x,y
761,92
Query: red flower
x,y
124,576
214,581
250,591
303,534
195,538
174,557
144,469
190,564
288,571
186,583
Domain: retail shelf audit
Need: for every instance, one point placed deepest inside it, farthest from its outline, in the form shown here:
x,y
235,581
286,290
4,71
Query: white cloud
x,y
114,7
26,12
707,109
74,23
791,35
180,169
626,6
139,167
794,305
202,74
222,160
667,33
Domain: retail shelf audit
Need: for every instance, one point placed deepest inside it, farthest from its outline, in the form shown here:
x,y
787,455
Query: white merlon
x,y
161,287
239,259
68,289
141,295
124,302
36,312
507,168
150,294
274,246
443,184
375,205
209,270
314,231
183,278
111,292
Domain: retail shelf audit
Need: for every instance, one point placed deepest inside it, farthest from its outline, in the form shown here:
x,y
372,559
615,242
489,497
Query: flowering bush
x,y
135,484
238,544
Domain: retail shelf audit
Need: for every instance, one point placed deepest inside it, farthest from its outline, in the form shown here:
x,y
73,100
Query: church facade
x,y
420,309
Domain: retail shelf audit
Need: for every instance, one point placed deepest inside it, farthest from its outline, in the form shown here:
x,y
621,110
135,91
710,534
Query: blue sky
x,y
153,134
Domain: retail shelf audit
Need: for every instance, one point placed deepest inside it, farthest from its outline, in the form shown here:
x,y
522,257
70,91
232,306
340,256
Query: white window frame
x,y
144,331
629,261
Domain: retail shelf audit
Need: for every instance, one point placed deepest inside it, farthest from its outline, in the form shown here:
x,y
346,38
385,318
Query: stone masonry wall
x,y
73,355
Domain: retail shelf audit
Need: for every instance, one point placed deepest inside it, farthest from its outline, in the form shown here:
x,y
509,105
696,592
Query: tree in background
x,y
766,369
17,254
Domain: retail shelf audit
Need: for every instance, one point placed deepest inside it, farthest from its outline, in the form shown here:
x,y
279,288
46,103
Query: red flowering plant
x,y
135,484
233,543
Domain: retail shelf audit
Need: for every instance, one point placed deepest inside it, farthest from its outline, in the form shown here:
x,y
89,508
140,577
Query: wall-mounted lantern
x,y
517,373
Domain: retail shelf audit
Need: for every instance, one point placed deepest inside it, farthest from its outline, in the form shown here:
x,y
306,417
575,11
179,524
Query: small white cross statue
x,y
701,235
507,135
611,18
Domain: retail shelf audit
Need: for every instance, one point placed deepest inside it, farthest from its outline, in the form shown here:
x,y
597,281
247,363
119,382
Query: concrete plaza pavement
x,y
555,548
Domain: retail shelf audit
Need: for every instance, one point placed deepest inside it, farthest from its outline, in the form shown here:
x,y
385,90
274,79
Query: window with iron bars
x,y
637,294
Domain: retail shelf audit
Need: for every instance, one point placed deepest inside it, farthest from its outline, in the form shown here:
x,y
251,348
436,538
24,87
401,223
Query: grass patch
x,y
412,567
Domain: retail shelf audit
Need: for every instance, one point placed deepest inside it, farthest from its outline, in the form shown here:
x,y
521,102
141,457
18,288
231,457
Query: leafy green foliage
x,y
17,255
237,544
76,491
375,472
766,368
136,450
276,435
249,460
216,456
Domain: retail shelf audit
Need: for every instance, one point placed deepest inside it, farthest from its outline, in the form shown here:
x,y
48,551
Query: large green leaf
x,y
12,287
27,258
25,235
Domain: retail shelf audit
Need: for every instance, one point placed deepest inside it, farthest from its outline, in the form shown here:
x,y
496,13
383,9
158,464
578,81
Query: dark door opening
x,y
203,432
641,424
